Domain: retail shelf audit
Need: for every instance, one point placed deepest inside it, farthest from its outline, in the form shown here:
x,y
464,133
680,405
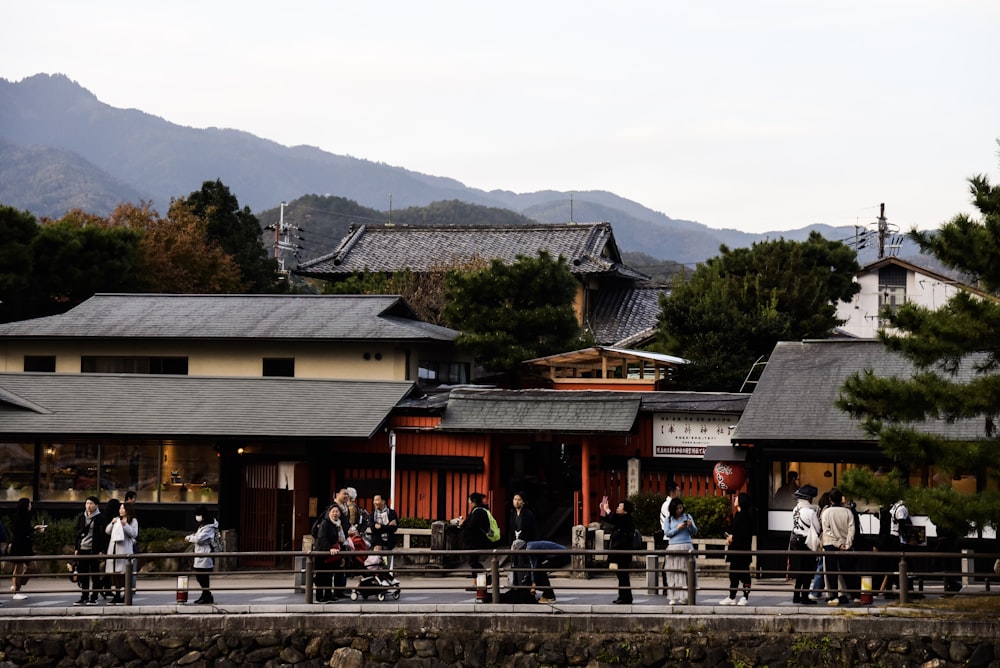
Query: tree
x,y
736,306
511,313
237,232
79,255
17,230
956,352
175,254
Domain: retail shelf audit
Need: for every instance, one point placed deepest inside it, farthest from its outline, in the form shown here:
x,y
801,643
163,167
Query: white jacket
x,y
202,539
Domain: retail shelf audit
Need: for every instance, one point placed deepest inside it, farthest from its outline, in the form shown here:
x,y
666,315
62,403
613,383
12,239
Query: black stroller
x,y
377,580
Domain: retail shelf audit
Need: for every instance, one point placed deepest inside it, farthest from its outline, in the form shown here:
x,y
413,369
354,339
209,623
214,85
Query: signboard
x,y
688,434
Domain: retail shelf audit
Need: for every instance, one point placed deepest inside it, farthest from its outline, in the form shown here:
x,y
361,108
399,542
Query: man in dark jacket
x,y
475,526
91,539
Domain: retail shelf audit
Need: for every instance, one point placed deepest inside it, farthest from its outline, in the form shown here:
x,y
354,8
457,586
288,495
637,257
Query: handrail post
x,y
692,574
904,595
495,577
128,581
308,584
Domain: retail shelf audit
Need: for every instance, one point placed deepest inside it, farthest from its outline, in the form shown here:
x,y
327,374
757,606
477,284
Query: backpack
x,y
217,543
493,535
364,521
314,531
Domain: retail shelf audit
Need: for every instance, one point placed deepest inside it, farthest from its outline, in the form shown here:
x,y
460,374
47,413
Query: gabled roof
x,y
593,358
624,314
261,317
909,266
130,404
589,248
563,411
794,397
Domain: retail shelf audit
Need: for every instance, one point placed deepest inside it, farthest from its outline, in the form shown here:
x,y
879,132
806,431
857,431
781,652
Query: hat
x,y
806,492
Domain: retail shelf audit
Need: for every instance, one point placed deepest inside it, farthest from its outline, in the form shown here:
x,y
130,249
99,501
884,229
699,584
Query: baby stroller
x,y
377,581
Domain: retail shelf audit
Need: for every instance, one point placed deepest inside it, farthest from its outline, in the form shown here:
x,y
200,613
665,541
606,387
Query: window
x,y
444,373
279,366
43,363
177,366
891,288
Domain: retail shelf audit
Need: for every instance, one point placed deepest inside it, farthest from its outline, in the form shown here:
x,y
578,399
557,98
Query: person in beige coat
x,y
123,530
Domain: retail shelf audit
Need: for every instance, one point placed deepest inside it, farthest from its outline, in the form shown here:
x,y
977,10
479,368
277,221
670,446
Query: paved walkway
x,y
248,593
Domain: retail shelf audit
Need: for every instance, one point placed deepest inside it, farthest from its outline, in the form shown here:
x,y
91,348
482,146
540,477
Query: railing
x,y
903,568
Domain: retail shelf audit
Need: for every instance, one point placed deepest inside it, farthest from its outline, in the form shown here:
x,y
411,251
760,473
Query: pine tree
x,y
955,351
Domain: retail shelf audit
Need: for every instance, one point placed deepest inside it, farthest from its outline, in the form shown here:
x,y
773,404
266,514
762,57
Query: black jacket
x,y
101,537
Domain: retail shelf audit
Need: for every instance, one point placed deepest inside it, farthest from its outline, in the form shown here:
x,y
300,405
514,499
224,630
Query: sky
x,y
756,116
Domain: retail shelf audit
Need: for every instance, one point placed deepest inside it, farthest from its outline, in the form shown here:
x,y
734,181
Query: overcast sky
x,y
762,115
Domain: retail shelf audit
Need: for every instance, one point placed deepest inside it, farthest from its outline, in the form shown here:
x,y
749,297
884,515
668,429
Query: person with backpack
x,y
476,532
622,538
203,539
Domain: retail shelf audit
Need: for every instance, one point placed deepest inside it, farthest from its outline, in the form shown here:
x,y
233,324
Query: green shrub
x,y
710,513
415,523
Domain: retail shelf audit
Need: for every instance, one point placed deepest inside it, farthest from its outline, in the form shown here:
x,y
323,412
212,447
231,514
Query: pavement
x,y
248,592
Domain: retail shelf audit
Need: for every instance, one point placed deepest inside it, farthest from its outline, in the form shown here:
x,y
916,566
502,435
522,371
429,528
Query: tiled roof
x,y
565,411
619,314
794,397
588,247
694,402
129,404
267,317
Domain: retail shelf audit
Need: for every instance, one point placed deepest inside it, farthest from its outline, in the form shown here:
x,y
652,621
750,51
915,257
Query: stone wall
x,y
481,640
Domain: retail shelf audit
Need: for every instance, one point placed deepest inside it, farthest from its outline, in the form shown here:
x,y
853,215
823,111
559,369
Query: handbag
x,y
813,541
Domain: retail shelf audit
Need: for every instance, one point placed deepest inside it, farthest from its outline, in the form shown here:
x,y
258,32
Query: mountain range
x,y
62,148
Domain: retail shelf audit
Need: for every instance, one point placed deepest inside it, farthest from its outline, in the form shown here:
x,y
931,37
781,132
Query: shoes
x,y
621,601
19,596
843,600
728,601
742,601
670,602
205,601
82,601
546,599
807,601
92,601
814,597
117,600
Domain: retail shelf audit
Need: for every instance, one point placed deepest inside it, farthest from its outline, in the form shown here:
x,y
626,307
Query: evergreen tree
x,y
17,230
237,232
956,352
736,306
511,313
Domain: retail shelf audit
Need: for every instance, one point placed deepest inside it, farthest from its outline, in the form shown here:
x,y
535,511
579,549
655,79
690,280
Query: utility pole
x,y
883,229
286,239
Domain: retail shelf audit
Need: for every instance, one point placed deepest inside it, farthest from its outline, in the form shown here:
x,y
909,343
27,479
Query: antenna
x,y
285,240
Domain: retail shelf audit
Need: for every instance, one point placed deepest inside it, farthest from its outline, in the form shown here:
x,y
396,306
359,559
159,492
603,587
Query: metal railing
x,y
430,570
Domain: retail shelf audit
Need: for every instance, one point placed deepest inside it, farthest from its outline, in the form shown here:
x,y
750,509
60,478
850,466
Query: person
x,y
342,500
123,531
661,544
385,523
739,537
329,575
803,560
784,496
475,527
22,545
523,525
837,537
356,517
622,530
900,536
90,539
819,580
102,581
681,528
203,537
542,556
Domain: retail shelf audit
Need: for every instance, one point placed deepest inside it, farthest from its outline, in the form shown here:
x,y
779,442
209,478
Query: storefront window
x,y
17,470
824,476
158,471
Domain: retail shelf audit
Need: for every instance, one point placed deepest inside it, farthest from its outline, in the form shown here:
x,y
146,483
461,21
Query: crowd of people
x,y
104,538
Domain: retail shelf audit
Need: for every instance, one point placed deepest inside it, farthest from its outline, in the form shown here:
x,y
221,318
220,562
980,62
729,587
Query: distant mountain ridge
x,y
61,147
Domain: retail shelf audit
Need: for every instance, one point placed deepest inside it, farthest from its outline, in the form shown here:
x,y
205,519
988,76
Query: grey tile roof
x,y
262,317
794,397
589,248
694,402
38,404
562,411
620,313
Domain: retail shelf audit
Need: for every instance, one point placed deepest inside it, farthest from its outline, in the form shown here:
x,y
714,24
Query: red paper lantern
x,y
729,476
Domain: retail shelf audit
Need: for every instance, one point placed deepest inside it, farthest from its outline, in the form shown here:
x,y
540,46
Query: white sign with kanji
x,y
688,434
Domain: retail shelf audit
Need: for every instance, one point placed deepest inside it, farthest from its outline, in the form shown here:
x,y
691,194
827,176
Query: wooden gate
x,y
259,513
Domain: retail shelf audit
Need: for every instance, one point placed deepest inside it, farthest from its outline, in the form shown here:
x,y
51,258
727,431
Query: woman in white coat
x,y
203,538
123,530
